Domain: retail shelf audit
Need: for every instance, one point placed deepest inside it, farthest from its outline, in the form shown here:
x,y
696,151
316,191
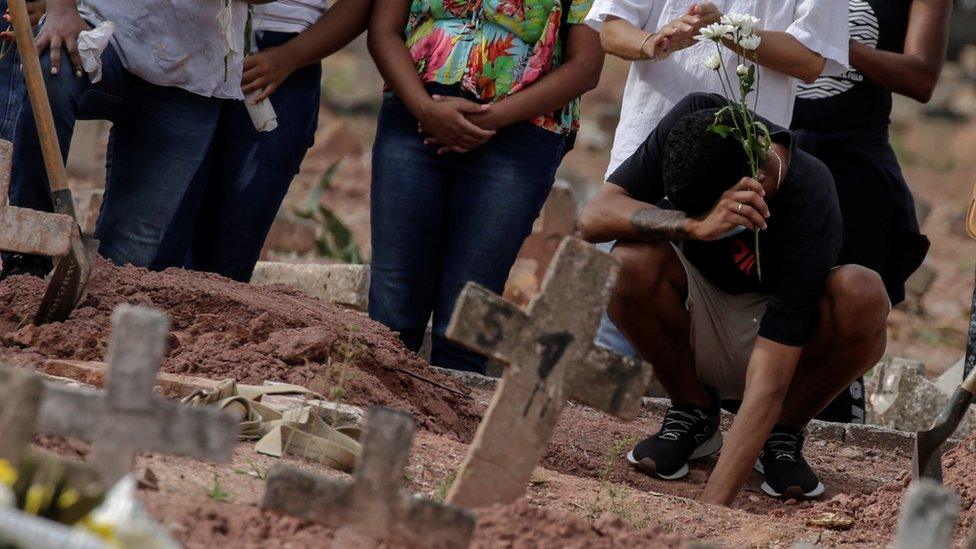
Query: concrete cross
x,y
20,396
551,358
928,516
372,508
127,417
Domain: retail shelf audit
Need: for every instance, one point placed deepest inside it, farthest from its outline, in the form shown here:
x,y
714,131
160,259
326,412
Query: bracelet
x,y
644,43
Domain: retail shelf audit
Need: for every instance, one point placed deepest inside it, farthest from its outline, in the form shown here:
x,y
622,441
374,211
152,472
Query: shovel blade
x,y
927,460
66,287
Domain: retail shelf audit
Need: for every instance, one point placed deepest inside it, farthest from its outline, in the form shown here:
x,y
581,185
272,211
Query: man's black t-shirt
x,y
797,251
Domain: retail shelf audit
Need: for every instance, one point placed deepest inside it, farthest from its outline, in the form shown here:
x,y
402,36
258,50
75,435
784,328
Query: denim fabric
x,y
158,141
608,336
12,88
228,210
440,221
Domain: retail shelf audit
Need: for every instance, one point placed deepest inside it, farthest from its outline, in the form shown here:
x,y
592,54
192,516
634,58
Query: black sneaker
x,y
23,264
788,475
687,433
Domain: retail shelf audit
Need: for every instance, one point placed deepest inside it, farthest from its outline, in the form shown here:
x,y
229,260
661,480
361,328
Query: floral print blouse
x,y
493,48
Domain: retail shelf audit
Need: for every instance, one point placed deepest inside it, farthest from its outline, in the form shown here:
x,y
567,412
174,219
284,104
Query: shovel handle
x,y
969,383
53,161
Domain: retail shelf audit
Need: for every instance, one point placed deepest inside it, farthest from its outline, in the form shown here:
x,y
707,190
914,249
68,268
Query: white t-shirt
x,y
177,43
653,88
288,15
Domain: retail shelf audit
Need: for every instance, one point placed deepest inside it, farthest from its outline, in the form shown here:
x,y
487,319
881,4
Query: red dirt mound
x,y
209,524
224,329
876,515
524,525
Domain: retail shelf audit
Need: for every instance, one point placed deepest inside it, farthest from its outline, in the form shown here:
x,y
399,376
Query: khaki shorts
x,y
724,328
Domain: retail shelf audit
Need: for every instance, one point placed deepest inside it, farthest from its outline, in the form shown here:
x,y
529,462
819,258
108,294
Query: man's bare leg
x,y
849,341
648,306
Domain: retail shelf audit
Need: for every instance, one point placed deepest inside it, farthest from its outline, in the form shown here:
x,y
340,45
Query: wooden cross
x,y
551,358
371,508
128,417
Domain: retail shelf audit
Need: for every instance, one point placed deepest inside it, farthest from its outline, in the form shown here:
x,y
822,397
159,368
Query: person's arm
x,y
915,72
578,74
622,38
768,378
443,120
782,52
613,214
60,30
338,26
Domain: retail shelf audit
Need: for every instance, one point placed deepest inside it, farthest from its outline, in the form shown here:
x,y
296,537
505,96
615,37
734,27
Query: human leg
x,y
849,341
12,88
71,98
408,209
496,194
253,173
158,143
648,305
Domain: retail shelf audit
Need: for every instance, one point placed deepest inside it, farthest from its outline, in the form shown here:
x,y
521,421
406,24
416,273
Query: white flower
x,y
715,32
744,22
741,70
751,42
713,63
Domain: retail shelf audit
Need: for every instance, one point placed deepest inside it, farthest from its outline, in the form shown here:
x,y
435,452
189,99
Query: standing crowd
x,y
480,107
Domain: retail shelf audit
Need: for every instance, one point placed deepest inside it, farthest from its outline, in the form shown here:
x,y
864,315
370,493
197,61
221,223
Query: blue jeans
x,y
158,142
226,214
439,221
12,88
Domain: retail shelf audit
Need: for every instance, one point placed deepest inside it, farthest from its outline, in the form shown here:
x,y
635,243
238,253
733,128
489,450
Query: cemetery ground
x,y
583,494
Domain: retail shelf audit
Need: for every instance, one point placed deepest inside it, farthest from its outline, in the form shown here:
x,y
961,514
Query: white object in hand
x,y
91,44
262,114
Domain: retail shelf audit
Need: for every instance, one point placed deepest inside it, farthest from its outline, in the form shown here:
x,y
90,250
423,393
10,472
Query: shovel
x,y
927,461
66,286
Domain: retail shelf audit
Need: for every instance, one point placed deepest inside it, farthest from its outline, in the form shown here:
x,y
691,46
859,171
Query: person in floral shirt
x,y
482,104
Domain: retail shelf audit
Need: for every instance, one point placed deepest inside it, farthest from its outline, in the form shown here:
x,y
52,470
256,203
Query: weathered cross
x,y
551,358
372,508
928,516
128,417
20,398
20,395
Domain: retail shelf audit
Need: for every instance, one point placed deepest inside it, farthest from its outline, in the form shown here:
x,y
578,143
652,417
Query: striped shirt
x,y
288,15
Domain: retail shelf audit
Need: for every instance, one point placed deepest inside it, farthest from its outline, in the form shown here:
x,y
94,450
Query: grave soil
x,y
582,495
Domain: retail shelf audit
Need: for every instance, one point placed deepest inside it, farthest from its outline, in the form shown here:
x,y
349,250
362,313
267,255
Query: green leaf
x,y
720,129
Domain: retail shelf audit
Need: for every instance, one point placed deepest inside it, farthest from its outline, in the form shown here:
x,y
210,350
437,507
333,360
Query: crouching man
x,y
781,328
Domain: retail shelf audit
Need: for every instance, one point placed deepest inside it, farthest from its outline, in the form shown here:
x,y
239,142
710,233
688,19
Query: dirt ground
x,y
582,495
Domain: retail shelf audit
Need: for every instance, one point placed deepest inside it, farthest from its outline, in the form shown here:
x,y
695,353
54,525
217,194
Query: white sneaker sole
x,y
707,448
816,492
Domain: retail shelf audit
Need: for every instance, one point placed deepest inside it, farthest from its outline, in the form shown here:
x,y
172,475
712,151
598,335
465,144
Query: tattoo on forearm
x,y
658,224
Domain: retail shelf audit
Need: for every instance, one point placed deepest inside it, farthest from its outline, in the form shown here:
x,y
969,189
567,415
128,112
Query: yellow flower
x,y
68,498
38,498
103,530
8,474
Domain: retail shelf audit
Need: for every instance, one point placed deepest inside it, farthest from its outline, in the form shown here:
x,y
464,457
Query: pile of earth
x,y
521,524
224,329
876,514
